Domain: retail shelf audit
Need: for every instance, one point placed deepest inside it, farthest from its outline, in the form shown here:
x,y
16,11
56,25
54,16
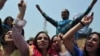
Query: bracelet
x,y
82,23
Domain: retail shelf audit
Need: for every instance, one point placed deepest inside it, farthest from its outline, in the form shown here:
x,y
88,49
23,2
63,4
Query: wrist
x,y
82,23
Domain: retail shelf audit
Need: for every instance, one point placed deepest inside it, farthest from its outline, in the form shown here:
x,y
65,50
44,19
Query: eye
x,y
95,40
45,38
39,38
88,38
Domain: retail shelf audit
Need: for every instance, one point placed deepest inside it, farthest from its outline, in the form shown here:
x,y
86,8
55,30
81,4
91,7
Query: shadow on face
x,y
65,14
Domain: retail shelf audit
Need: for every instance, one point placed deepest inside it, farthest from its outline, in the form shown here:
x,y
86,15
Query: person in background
x,y
57,47
8,22
64,25
31,45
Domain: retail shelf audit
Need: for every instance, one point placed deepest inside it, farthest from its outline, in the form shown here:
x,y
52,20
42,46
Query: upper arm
x,y
49,19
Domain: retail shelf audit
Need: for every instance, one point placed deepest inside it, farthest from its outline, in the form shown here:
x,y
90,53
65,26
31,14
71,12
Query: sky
x,y
53,8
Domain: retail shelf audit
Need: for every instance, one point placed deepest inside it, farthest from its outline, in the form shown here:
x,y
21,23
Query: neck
x,y
44,53
92,54
8,49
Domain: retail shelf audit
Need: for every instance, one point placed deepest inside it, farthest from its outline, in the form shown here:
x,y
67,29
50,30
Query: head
x,y
2,2
6,38
93,43
55,43
42,41
8,21
65,14
30,41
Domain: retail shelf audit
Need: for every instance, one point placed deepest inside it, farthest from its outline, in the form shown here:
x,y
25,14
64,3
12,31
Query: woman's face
x,y
8,36
42,41
92,43
56,43
9,21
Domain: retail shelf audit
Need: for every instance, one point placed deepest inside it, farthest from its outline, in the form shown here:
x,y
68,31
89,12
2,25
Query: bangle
x,y
82,23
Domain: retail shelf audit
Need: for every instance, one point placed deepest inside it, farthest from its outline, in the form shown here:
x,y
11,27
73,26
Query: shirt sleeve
x,y
20,23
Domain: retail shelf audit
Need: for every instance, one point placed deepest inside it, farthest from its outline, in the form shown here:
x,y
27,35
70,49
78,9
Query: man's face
x,y
64,14
2,2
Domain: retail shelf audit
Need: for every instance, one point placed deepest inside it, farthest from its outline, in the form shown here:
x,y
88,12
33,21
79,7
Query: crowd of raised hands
x,y
60,45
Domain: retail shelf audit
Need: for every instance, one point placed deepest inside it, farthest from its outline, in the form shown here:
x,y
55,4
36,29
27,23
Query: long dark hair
x,y
53,38
2,40
98,50
5,21
35,40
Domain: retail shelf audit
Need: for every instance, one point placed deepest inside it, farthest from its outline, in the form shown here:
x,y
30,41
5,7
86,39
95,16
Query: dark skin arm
x,y
52,21
84,14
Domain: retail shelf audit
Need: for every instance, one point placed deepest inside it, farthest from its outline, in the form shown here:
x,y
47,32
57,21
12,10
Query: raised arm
x,y
20,43
18,39
84,14
52,21
68,37
20,22
22,9
89,8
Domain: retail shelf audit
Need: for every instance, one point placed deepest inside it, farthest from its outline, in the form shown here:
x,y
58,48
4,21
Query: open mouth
x,y
89,45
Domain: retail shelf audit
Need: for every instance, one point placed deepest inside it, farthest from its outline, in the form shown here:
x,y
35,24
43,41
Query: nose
x,y
42,39
90,40
56,42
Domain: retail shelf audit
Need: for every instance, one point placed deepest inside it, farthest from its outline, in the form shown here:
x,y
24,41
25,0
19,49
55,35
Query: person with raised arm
x,y
13,39
92,45
64,25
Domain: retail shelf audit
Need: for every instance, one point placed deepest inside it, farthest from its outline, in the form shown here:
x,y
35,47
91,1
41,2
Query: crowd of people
x,y
63,43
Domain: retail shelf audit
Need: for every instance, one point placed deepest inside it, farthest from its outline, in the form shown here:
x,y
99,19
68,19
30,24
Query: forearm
x,y
49,19
20,43
89,8
78,19
22,8
21,14
72,31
